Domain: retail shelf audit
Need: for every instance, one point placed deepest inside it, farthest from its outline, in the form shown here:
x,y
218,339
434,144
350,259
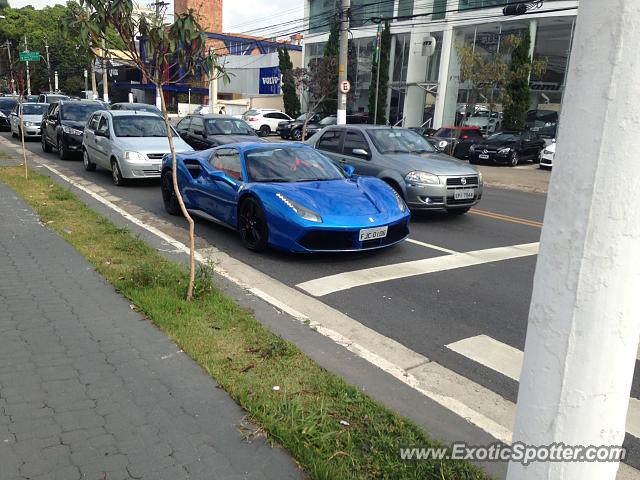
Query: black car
x,y
63,125
7,104
542,122
507,148
293,129
333,120
136,107
207,131
456,141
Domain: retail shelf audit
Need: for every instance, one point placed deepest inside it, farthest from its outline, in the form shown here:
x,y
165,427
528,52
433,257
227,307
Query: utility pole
x,y
583,328
13,82
105,75
26,49
343,60
46,47
94,85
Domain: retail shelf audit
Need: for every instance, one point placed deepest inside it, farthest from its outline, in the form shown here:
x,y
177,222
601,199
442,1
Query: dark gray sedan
x,y
424,178
202,132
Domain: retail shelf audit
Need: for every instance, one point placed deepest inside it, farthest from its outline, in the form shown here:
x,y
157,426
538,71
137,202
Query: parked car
x,y
333,120
287,196
423,177
547,156
542,122
264,120
507,148
487,122
293,128
7,104
207,131
31,98
136,107
31,121
63,125
129,144
456,141
52,97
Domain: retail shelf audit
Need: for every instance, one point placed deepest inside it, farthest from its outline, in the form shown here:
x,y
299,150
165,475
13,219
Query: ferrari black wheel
x,y
253,225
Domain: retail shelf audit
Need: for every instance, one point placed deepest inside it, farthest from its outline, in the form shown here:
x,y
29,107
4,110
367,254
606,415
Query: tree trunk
x,y
310,113
183,208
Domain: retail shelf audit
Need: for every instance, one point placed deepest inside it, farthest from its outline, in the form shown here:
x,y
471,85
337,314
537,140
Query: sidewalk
x,y
90,389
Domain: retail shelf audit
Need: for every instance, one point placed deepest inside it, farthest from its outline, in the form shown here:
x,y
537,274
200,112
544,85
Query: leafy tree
x,y
171,54
506,72
331,52
380,69
318,81
517,95
4,4
289,94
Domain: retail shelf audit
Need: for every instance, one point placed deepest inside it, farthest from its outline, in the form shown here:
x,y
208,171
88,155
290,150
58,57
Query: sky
x,y
238,15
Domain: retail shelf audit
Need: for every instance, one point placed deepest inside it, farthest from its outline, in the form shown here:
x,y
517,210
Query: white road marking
x,y
491,353
344,281
432,247
507,360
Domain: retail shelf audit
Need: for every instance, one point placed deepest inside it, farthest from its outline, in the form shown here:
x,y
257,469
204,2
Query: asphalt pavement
x,y
467,311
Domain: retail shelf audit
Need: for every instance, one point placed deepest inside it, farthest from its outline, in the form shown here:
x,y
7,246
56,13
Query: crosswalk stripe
x,y
344,281
507,360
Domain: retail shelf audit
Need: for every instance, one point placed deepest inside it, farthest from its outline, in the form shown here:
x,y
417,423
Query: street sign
x,y
345,87
29,56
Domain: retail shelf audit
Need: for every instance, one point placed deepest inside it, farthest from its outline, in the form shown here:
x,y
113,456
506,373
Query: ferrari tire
x,y
169,198
253,225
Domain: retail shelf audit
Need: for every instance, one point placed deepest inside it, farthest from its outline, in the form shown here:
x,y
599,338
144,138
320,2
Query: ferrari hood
x,y
339,198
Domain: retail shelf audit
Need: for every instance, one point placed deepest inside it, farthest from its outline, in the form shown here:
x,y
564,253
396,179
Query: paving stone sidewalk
x,y
90,389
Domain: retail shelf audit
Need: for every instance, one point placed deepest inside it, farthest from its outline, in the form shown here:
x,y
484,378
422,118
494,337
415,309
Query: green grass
x,y
245,358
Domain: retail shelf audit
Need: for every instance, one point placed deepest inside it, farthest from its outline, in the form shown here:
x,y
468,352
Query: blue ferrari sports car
x,y
286,196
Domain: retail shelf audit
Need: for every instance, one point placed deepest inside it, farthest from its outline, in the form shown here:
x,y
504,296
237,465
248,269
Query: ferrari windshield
x,y
399,140
289,164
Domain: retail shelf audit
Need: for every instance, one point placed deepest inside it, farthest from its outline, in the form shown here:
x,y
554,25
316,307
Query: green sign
x,y
29,56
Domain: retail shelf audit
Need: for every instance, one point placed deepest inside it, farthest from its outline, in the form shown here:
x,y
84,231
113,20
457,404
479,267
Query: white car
x,y
547,155
264,120
32,119
129,144
488,122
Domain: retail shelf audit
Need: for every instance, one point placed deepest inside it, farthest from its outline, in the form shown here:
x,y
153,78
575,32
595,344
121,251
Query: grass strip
x,y
332,429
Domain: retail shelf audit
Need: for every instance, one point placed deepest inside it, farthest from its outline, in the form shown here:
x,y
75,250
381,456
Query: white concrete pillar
x,y
416,73
583,324
392,60
450,84
443,77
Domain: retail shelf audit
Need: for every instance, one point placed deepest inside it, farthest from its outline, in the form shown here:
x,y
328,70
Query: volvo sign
x,y
270,80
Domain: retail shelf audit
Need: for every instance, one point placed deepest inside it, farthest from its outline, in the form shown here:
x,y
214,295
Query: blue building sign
x,y
269,81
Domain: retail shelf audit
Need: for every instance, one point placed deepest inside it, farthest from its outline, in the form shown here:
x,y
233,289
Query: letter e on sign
x,y
345,87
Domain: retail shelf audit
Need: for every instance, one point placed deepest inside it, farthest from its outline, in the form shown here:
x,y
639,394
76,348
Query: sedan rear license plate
x,y
484,157
373,233
464,194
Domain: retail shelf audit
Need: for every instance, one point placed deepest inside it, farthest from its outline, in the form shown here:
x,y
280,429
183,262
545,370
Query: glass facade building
x,y
424,84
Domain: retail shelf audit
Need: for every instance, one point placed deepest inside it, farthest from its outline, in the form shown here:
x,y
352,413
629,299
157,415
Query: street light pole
x,y
583,330
342,61
46,47
26,49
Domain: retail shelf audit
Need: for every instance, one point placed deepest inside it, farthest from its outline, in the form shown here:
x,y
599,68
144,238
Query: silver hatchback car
x,y
129,143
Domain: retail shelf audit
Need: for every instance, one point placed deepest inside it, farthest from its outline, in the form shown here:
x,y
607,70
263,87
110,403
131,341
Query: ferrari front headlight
x,y
300,210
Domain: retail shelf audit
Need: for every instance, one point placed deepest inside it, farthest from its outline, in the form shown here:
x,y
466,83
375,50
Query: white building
x,y
426,90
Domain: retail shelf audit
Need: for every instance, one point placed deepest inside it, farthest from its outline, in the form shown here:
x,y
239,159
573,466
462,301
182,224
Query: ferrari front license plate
x,y
464,194
484,157
373,233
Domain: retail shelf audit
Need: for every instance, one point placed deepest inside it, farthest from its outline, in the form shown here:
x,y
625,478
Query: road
x,y
466,312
